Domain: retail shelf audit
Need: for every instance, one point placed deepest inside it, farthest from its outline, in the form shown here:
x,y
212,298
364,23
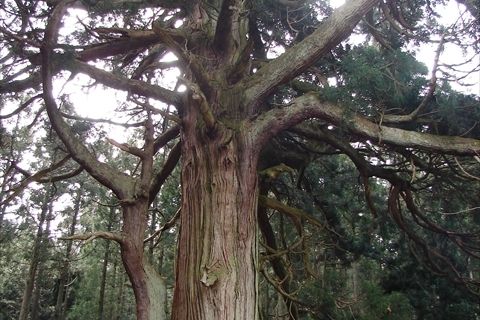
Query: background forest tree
x,y
267,159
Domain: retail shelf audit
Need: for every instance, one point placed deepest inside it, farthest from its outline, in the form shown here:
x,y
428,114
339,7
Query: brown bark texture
x,y
215,275
148,286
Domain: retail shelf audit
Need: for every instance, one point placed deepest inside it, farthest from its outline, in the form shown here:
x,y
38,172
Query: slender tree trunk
x,y
3,188
60,306
40,278
32,271
216,276
106,260
153,225
3,208
118,310
103,281
148,286
113,292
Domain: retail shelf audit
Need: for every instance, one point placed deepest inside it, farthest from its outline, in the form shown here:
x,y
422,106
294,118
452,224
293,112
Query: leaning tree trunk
x,y
148,286
216,276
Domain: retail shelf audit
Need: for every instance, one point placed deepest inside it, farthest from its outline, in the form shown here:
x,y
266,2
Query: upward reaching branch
x,y
118,182
298,58
226,33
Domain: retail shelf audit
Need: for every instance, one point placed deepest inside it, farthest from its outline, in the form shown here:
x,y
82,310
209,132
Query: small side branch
x,y
39,176
165,227
428,96
23,106
290,211
465,171
125,125
125,147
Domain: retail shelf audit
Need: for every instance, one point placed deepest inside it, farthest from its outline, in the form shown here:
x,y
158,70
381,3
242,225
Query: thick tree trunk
x,y
216,276
148,286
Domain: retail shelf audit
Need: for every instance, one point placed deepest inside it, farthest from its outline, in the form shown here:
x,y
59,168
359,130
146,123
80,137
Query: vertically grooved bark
x,y
216,272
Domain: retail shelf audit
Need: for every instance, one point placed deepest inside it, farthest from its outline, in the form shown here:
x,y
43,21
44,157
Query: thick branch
x,y
167,169
298,58
121,83
134,41
310,106
167,136
226,33
87,237
118,182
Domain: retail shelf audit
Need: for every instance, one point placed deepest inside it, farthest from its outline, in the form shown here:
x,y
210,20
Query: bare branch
x,y
154,110
167,169
87,237
468,210
23,106
285,209
125,125
129,149
130,85
170,223
37,177
465,171
59,177
428,96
